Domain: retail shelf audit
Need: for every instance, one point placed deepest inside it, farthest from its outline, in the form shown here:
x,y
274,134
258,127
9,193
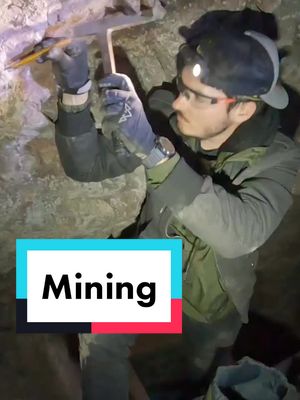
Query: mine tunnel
x,y
38,200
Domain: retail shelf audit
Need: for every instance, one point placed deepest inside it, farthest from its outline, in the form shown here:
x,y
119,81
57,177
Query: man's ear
x,y
242,111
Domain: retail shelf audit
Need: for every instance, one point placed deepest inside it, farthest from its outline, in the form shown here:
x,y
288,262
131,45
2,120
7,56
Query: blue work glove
x,y
122,113
70,65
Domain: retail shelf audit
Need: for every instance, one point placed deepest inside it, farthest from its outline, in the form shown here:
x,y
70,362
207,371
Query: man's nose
x,y
180,103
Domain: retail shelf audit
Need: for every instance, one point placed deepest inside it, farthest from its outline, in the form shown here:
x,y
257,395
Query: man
x,y
224,207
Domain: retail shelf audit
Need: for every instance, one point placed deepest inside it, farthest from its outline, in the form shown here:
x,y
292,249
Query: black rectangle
x,y
22,326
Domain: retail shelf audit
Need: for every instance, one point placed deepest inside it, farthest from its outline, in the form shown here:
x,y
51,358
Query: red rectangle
x,y
175,326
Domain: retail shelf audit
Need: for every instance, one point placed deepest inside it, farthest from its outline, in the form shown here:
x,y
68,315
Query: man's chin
x,y
184,129
183,126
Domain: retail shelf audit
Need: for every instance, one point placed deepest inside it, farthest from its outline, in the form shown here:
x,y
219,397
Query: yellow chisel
x,y
35,54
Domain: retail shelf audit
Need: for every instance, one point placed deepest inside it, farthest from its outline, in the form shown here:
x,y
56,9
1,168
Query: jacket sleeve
x,y
85,154
233,224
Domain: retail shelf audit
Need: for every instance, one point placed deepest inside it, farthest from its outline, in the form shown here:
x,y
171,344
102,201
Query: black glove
x,y
70,65
122,112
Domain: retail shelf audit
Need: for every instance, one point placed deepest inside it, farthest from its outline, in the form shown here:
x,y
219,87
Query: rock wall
x,y
36,198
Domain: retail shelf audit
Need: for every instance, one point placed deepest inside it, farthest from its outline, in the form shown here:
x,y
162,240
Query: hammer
x,y
104,28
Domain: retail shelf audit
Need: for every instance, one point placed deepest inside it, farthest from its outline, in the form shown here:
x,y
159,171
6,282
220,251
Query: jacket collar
x,y
258,131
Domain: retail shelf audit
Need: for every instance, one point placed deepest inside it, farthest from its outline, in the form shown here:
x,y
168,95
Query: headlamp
x,y
189,56
197,70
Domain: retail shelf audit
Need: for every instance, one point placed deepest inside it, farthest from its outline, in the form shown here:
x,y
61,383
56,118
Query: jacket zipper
x,y
189,260
220,275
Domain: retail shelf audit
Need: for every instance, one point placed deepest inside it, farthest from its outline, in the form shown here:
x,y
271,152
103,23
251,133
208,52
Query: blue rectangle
x,y
99,244
21,269
173,245
176,266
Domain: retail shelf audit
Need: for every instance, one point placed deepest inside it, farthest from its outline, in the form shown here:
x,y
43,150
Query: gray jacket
x,y
235,222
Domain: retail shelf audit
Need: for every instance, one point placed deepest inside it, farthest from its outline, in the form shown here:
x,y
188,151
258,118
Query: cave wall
x,y
36,198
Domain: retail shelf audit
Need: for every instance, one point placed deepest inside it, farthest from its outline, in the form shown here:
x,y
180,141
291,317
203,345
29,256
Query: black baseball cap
x,y
243,65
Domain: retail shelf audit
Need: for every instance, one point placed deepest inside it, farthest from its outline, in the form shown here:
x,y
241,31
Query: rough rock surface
x,y
28,158
37,200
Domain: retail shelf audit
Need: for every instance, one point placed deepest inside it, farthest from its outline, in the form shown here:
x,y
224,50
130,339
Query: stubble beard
x,y
206,135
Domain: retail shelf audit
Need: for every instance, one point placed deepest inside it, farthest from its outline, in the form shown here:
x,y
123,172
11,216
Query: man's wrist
x,y
74,99
73,103
159,173
76,91
161,152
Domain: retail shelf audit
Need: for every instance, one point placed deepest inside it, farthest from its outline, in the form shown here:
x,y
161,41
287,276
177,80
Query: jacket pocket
x,y
204,298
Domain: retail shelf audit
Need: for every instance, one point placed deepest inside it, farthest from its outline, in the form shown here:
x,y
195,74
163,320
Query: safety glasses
x,y
198,97
191,56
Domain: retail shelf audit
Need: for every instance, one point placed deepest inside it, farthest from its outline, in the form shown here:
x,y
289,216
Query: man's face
x,y
196,115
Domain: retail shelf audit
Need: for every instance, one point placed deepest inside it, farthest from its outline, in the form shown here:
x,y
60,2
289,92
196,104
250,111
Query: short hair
x,y
260,106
